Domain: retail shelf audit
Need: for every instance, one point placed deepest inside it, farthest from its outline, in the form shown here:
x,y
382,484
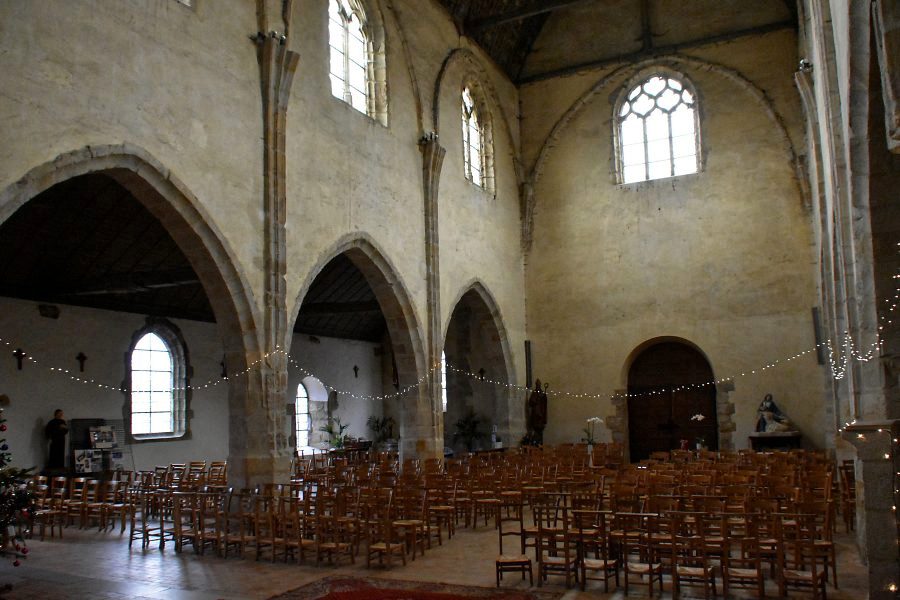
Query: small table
x,y
775,440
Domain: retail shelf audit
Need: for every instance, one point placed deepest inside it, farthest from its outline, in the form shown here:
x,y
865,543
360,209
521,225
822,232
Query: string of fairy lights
x,y
838,368
839,356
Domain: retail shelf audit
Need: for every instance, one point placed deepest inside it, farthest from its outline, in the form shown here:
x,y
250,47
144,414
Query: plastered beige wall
x,y
182,84
722,258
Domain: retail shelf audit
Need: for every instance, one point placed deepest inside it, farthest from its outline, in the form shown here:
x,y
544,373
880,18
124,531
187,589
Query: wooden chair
x,y
182,529
332,540
799,565
115,503
511,523
237,524
742,566
93,504
141,525
692,565
48,511
382,541
637,555
594,553
556,548
821,522
75,500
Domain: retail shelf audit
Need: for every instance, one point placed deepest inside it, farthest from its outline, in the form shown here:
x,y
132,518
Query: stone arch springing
x,y
194,231
417,424
475,309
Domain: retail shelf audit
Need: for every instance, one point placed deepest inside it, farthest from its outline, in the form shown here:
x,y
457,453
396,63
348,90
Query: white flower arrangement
x,y
589,430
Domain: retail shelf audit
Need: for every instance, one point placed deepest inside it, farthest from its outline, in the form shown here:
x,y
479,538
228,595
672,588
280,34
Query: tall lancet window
x,y
476,141
349,49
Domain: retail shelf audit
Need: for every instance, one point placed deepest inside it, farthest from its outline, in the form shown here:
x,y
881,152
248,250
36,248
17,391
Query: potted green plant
x,y
334,429
382,429
467,430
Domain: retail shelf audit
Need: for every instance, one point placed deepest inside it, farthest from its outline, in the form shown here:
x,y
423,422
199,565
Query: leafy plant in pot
x,y
382,429
335,432
467,430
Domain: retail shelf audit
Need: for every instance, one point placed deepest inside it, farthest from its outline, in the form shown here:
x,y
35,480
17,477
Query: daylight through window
x,y
444,381
349,55
657,131
473,139
301,415
152,400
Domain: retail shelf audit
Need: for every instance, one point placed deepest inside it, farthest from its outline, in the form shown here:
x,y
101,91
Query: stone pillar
x,y
877,465
618,424
725,415
430,421
260,451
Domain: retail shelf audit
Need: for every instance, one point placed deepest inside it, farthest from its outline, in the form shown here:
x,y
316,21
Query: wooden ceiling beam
x,y
311,309
660,51
538,7
134,282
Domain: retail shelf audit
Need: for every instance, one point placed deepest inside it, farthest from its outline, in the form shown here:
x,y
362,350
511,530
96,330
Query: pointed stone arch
x,y
194,231
475,311
418,419
619,77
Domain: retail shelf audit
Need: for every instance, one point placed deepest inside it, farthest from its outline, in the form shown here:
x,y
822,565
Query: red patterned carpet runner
x,y
369,588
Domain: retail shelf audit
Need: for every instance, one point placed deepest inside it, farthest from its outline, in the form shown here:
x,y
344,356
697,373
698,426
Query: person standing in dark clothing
x,y
56,431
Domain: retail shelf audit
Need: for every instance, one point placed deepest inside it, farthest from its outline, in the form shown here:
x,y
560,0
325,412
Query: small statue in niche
x,y
770,419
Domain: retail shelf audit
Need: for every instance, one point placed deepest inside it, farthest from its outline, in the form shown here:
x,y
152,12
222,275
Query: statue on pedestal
x,y
770,419
536,414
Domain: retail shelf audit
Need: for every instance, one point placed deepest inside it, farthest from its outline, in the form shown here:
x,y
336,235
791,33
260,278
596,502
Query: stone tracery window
x,y
657,130
356,58
476,136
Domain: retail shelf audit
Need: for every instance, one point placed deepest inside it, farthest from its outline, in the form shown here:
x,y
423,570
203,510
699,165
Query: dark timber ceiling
x,y
89,242
536,39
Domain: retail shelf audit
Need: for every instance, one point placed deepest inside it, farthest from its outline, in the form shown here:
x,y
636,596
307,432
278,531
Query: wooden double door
x,y
659,417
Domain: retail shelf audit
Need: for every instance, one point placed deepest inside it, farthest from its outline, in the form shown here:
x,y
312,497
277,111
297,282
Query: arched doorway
x,y
476,344
662,406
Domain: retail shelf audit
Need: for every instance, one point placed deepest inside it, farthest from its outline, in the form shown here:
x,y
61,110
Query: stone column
x,y
877,465
430,421
725,415
261,453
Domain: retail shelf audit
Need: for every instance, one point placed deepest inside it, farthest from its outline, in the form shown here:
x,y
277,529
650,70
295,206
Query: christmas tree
x,y
16,503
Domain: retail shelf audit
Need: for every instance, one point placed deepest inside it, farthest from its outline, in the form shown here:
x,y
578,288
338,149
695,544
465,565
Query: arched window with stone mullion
x,y
657,130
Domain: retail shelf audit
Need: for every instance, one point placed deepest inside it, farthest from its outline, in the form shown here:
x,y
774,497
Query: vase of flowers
x,y
589,437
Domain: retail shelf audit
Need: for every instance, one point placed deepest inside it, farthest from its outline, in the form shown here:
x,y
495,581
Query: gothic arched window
x,y
157,368
476,136
444,381
657,130
356,57
301,416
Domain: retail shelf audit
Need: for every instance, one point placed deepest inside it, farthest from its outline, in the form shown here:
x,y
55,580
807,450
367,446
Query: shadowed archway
x,y
372,304
210,263
476,343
